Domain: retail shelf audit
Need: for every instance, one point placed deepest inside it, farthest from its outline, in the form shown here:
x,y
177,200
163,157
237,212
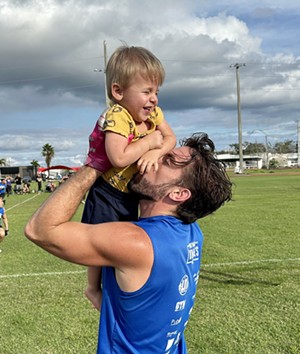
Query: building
x,y
257,162
233,161
13,171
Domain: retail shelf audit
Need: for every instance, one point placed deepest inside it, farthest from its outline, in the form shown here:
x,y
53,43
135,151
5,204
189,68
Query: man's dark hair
x,y
205,176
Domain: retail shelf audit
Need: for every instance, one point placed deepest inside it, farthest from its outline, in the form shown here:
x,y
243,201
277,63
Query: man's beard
x,y
144,190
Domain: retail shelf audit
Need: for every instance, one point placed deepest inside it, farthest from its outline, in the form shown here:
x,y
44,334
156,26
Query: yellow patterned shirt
x,y
119,121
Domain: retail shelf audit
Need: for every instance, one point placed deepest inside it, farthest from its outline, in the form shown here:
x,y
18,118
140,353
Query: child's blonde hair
x,y
126,62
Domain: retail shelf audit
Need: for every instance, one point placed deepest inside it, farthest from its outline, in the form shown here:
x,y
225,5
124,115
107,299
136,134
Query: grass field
x,y
248,293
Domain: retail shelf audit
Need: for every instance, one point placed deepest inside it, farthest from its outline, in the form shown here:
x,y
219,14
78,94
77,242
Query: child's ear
x,y
116,91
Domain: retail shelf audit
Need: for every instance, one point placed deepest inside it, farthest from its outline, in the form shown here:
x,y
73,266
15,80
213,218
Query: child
x,y
129,137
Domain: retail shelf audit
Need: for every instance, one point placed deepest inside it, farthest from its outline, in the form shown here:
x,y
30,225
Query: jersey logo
x,y
183,285
180,305
193,252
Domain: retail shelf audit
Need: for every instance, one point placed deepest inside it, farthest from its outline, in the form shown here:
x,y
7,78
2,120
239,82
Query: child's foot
x,y
95,297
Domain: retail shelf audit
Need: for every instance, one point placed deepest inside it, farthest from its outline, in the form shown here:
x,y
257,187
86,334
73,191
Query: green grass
x,y
248,293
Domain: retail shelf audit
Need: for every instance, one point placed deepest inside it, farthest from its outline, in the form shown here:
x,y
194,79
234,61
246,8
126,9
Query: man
x,y
8,186
150,267
3,189
3,231
18,186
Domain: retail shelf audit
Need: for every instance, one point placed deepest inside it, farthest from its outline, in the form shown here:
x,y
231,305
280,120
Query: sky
x,y
52,61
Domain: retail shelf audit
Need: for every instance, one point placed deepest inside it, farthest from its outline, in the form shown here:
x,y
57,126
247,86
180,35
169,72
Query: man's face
x,y
155,185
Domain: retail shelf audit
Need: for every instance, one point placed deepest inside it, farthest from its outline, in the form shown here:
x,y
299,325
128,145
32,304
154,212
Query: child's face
x,y
140,98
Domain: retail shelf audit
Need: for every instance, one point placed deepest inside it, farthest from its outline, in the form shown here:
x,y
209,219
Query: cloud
x,y
50,93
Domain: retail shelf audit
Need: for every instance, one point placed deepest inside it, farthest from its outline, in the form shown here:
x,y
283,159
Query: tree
x,y
35,165
2,162
248,148
273,163
48,153
254,148
234,148
285,147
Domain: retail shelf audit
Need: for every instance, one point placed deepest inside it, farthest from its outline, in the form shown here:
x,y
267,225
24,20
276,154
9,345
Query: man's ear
x,y
180,194
116,92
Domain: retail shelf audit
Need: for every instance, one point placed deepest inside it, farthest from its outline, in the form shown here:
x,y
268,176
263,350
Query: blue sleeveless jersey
x,y
153,318
2,212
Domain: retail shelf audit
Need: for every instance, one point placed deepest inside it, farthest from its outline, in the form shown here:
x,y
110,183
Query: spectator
x,y
3,189
3,217
18,187
8,186
26,187
50,187
39,180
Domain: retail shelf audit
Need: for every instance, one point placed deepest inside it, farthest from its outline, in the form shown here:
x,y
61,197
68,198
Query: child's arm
x,y
150,158
122,154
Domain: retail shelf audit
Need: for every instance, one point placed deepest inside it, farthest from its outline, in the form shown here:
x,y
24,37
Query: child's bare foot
x,y
95,297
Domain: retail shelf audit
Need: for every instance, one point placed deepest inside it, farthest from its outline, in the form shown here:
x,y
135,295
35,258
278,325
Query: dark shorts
x,y
105,203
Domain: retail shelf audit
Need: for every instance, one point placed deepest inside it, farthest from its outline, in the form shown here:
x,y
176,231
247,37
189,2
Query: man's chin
x,y
140,188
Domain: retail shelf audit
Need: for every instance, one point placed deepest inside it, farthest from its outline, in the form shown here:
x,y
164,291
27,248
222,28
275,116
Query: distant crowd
x,y
19,185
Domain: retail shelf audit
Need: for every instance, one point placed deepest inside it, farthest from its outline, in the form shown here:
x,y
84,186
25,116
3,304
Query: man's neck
x,y
150,208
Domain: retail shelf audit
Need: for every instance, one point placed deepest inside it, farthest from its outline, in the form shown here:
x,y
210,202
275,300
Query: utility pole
x,y
104,72
105,64
237,66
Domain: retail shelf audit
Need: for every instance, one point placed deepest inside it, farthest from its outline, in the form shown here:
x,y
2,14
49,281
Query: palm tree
x,y
35,165
48,153
2,162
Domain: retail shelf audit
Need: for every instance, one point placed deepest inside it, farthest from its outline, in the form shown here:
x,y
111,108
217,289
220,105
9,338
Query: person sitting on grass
x,y
26,187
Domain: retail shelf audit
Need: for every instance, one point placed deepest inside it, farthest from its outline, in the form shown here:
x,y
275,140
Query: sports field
x,y
248,295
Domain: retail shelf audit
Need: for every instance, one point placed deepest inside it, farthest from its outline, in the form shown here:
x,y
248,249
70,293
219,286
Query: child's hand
x,y
148,161
155,140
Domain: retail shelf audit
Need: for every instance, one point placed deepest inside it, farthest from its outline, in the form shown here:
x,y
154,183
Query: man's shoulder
x,y
124,227
129,236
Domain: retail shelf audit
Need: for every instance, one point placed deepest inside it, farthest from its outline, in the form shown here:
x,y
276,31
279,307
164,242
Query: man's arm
x,y
122,245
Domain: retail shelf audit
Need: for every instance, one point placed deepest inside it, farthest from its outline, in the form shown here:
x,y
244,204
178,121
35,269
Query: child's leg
x,y
105,203
93,291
